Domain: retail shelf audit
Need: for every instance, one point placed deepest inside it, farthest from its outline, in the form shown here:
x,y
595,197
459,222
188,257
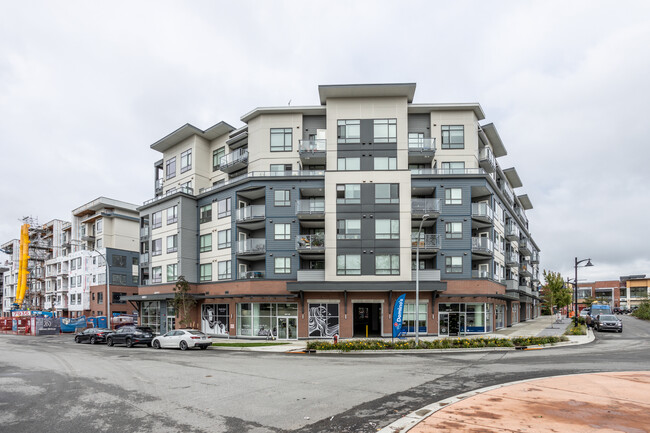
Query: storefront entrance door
x,y
287,328
451,324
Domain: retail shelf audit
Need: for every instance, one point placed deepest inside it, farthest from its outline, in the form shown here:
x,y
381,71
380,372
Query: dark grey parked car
x,y
130,335
608,322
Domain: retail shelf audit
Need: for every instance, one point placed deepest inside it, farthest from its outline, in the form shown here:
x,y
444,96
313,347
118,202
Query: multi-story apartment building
x,y
103,229
9,276
306,221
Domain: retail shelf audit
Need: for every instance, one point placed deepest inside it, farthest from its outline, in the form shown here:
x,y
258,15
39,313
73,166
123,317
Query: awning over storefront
x,y
365,286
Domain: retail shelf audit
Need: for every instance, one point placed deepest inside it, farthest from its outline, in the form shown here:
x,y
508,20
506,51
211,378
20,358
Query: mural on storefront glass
x,y
323,320
214,319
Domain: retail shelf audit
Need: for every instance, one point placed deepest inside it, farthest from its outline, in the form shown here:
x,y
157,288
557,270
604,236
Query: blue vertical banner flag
x,y
398,315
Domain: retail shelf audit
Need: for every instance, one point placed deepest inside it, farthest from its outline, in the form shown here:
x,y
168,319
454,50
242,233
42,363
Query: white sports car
x,y
182,339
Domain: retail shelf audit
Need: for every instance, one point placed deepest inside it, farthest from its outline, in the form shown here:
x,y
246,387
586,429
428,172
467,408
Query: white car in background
x,y
182,339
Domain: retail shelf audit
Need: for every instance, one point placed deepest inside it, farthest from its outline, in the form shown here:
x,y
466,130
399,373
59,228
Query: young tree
x,y
183,301
556,294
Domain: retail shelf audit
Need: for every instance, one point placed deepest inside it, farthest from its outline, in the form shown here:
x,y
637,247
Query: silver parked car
x,y
182,339
608,322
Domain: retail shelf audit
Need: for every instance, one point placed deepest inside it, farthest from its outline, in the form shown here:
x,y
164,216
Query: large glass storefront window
x,y
151,315
215,319
408,322
323,320
475,317
260,319
458,319
500,316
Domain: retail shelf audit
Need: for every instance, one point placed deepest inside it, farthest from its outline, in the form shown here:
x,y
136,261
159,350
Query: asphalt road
x,y
53,384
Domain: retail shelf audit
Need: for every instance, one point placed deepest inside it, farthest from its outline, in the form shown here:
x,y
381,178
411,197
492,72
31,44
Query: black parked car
x,y
608,322
130,335
92,335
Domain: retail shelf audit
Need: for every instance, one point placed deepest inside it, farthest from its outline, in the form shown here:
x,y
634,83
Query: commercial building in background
x,y
633,290
304,222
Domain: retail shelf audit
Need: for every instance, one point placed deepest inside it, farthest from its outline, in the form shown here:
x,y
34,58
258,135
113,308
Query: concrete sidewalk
x,y
603,402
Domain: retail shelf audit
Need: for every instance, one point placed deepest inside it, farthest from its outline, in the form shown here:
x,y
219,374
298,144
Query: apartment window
x,y
281,139
172,214
118,261
385,163
172,272
186,187
453,196
386,193
224,208
172,243
186,160
156,220
386,229
205,242
281,197
349,131
348,193
348,264
156,247
99,243
280,168
170,168
100,298
454,230
416,139
118,279
453,136
216,158
205,272
349,164
282,231
453,265
224,270
385,130
134,261
156,274
205,213
348,229
282,265
224,239
387,264
453,167
99,227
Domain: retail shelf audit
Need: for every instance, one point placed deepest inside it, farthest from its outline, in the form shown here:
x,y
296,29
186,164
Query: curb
x,y
409,421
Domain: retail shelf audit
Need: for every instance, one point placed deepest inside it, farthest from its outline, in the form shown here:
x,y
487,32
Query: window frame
x,y
347,188
391,163
390,234
450,267
344,127
228,242
284,202
228,270
217,154
450,232
393,188
203,246
450,199
228,207
205,213
156,220
286,265
345,270
205,276
391,130
154,251
174,247
174,211
284,132
169,174
174,275
186,160
393,259
446,136
283,235
343,230
343,162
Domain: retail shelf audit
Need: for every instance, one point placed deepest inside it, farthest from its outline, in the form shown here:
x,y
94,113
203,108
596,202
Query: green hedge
x,y
446,343
643,312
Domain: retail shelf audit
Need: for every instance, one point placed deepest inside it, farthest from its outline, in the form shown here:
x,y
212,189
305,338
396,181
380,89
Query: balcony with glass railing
x,y
234,161
251,275
512,231
250,214
482,245
312,151
525,247
421,150
476,273
482,212
512,259
251,247
424,206
486,159
534,257
144,232
310,208
310,243
525,269
427,243
508,192
144,259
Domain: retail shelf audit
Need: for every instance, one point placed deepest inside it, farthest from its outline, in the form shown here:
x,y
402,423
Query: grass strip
x,y
247,344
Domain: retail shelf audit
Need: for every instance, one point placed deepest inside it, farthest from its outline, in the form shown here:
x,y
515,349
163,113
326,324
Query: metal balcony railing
x,y
251,275
248,213
310,242
239,155
422,206
310,206
427,242
481,274
512,258
482,245
251,246
422,144
512,230
482,210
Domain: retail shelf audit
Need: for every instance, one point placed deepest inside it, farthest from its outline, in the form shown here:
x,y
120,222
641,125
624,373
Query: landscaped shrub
x,y
576,330
445,343
643,312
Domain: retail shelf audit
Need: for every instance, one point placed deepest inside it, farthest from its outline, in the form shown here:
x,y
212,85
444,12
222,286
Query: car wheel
x,y
109,342
77,339
156,344
183,345
93,340
204,347
129,342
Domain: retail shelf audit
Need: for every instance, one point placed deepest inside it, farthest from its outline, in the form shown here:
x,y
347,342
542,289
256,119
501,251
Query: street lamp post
x,y
575,288
417,282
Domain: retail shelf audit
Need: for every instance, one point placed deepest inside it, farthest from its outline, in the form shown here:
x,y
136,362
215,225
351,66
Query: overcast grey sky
x,y
86,87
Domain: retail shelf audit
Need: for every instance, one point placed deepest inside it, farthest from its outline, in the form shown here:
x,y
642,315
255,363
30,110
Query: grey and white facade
x,y
304,222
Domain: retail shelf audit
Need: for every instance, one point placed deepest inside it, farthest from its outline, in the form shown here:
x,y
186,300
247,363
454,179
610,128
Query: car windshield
x,y
608,317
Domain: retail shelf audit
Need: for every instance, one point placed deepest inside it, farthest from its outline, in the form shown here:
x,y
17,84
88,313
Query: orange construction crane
x,y
23,262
